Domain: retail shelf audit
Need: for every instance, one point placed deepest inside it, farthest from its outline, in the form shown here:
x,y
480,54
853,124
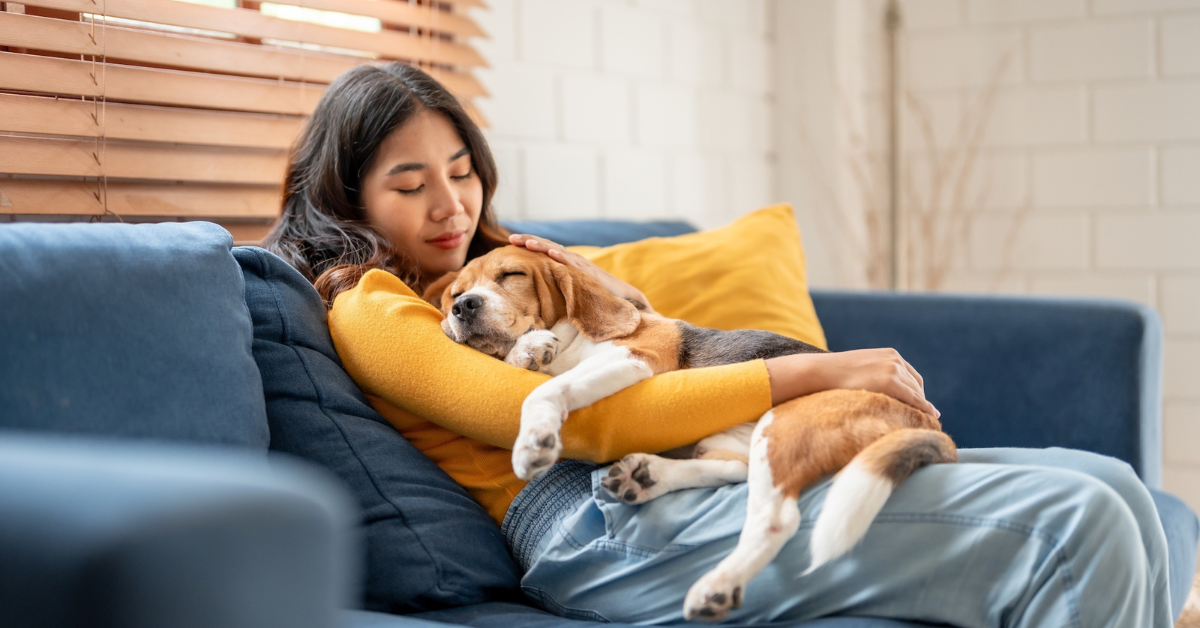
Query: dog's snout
x,y
466,307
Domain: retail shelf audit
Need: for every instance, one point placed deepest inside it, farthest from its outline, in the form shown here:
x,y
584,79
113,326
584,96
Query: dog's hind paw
x,y
713,596
636,478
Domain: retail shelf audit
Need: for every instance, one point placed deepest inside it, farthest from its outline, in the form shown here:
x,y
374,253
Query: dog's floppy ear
x,y
551,306
598,314
437,290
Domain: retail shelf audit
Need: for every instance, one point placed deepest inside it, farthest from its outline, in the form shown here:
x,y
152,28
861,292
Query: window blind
x,y
152,110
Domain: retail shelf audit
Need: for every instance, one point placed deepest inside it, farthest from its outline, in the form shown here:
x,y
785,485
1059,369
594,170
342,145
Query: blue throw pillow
x,y
429,545
599,232
127,330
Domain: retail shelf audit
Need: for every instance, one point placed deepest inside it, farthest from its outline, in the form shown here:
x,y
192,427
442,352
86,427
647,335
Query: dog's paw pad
x,y
632,479
713,597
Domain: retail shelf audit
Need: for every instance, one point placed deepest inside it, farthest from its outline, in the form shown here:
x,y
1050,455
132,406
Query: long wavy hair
x,y
323,231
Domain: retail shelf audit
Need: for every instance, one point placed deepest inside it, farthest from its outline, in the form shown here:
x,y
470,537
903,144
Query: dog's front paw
x,y
538,445
534,350
635,479
713,596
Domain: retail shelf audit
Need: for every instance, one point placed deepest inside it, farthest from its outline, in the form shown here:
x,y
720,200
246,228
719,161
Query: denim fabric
x,y
127,330
509,615
1072,540
428,544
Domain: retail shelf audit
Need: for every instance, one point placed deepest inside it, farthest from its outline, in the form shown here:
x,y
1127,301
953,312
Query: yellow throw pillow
x,y
747,275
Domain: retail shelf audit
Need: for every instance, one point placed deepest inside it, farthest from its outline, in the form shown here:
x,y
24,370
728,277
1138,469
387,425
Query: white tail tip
x,y
855,497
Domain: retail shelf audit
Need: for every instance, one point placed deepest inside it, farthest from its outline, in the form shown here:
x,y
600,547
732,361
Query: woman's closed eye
x,y
412,190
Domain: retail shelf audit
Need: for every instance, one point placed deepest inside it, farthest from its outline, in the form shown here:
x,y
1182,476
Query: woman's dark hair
x,y
323,231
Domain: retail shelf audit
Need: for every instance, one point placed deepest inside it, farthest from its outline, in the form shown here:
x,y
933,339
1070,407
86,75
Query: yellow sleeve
x,y
391,343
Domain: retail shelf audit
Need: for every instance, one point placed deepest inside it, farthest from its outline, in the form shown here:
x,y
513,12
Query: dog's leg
x,y
720,459
538,444
772,518
533,350
639,478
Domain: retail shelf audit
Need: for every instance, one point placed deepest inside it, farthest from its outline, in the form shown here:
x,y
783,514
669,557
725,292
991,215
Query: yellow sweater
x,y
463,408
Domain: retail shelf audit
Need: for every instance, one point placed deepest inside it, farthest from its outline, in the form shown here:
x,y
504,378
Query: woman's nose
x,y
444,201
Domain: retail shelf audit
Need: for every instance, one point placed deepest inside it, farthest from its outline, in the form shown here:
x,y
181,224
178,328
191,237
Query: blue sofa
x,y
179,445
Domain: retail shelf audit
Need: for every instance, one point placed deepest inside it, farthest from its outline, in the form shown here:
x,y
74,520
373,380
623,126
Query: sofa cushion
x,y
428,544
127,330
598,232
749,274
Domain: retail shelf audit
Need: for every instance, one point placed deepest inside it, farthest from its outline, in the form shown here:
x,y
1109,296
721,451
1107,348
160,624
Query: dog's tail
x,y
861,488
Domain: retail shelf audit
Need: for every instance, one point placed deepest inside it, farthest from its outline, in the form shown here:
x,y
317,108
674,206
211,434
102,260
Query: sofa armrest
x,y
1022,371
138,534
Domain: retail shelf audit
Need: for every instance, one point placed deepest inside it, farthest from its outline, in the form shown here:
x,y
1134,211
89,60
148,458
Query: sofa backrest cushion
x,y
598,232
127,330
429,545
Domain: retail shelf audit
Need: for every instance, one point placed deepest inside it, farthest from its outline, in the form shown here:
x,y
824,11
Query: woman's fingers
x,y
533,243
915,374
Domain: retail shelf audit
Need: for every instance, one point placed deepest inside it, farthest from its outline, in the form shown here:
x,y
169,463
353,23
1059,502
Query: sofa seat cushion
x,y
127,330
428,544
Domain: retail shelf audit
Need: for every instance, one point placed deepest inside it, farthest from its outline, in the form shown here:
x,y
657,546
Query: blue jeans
x,y
1007,537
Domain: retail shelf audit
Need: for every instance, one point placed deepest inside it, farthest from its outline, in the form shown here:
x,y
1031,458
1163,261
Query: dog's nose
x,y
466,307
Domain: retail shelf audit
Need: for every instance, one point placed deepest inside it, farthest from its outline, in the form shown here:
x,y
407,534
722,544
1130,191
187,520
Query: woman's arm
x,y
877,370
391,343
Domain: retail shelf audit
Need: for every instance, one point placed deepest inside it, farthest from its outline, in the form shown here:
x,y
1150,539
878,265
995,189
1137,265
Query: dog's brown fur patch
x,y
817,435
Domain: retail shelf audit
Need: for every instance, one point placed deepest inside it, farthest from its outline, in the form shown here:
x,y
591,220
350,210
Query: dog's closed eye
x,y
511,273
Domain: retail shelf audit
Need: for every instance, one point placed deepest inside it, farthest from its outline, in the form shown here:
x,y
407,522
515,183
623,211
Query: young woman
x,y
390,186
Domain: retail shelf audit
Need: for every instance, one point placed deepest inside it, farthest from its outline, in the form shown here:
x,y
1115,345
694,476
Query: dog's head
x,y
500,296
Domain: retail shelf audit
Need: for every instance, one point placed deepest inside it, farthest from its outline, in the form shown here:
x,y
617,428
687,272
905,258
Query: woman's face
x,y
423,195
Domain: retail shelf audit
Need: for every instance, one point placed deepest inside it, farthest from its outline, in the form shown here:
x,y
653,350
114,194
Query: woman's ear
x,y
598,314
436,291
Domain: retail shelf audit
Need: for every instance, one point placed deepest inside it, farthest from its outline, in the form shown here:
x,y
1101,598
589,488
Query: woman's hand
x,y
561,255
876,370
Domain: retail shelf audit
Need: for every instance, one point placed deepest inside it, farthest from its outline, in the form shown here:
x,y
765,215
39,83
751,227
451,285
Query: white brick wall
x,y
1092,146
643,109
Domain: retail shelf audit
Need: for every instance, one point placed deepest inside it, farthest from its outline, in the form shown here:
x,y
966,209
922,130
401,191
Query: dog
x,y
534,313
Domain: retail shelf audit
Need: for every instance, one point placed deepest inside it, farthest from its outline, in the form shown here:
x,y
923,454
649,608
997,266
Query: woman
x,y
390,186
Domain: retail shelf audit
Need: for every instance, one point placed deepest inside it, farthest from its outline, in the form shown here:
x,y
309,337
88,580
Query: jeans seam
x,y
547,602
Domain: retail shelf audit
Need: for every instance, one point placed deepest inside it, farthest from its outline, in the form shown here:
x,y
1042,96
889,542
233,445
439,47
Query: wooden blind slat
x,y
399,13
83,198
252,23
40,33
479,4
460,84
53,35
246,233
92,158
168,87
51,116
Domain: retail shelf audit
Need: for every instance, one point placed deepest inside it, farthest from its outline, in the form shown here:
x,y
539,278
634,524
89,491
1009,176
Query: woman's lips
x,y
449,240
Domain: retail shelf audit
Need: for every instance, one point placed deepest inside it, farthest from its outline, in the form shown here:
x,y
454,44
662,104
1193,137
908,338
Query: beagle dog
x,y
534,313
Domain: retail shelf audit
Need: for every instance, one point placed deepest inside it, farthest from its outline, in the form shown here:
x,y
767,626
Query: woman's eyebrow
x,y
398,168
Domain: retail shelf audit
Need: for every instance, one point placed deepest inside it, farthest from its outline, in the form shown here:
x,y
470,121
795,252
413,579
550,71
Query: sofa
x,y
179,445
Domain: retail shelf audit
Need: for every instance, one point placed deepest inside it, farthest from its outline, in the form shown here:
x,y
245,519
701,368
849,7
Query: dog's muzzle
x,y
466,308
